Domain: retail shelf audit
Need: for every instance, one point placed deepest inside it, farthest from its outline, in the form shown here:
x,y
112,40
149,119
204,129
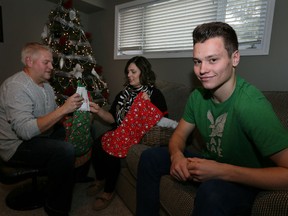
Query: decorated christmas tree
x,y
73,59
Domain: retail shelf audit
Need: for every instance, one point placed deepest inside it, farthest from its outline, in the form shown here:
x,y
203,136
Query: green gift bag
x,y
78,129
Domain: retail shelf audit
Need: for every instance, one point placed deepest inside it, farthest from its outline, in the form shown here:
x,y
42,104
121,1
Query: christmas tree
x,y
73,59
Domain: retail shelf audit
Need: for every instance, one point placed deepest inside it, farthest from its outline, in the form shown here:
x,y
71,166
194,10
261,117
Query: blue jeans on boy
x,y
213,197
57,158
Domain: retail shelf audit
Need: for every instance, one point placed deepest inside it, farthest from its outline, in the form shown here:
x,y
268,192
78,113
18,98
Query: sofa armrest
x,y
271,203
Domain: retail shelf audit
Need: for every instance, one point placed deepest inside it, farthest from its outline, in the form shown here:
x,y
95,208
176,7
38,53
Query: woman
x,y
139,78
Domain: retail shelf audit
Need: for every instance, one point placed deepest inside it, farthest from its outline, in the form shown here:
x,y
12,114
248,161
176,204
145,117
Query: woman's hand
x,y
102,113
94,108
145,96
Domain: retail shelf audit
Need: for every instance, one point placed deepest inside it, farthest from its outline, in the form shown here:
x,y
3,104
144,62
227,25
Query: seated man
x,y
28,112
246,145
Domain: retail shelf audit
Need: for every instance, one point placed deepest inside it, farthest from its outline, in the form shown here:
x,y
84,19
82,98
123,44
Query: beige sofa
x,y
177,198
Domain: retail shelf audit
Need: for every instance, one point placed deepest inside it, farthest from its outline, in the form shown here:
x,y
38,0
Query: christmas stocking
x,y
78,129
141,117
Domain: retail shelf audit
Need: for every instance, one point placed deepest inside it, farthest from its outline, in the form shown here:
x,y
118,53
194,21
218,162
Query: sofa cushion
x,y
174,195
126,185
133,157
272,203
157,136
279,101
176,96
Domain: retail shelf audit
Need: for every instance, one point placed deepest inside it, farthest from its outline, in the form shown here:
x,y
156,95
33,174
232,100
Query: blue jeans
x,y
213,197
56,157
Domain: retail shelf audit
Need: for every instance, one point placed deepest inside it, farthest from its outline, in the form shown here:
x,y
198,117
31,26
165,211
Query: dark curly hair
x,y
147,76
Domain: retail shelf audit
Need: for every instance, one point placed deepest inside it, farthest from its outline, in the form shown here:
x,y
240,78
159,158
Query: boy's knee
x,y
146,154
149,156
211,193
154,157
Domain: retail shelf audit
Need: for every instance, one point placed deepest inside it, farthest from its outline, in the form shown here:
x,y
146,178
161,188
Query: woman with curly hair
x,y
139,80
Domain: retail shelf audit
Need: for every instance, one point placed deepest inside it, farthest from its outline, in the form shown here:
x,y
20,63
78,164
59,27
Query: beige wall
x,y
266,72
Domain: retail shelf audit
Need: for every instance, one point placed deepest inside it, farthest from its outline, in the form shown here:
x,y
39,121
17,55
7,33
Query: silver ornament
x,y
61,63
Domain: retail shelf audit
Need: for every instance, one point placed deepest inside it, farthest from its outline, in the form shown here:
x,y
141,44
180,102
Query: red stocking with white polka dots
x,y
141,117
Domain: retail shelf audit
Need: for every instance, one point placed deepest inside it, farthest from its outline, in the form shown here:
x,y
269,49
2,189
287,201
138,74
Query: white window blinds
x,y
164,27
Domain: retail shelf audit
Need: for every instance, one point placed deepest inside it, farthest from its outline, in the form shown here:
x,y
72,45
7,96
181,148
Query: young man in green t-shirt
x,y
246,145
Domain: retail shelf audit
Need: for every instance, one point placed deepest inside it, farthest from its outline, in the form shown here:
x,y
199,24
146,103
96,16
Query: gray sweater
x,y
21,103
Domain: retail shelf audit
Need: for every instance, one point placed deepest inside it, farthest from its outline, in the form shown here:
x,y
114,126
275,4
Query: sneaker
x,y
51,212
103,201
95,187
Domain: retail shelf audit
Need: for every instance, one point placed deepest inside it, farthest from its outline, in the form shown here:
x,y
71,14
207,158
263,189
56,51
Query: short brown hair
x,y
206,31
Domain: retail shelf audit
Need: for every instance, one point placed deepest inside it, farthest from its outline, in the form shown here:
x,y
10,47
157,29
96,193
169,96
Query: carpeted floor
x,y
81,206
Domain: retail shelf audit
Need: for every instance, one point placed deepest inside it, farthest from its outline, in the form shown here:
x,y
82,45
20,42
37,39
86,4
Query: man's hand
x,y
73,103
178,167
202,169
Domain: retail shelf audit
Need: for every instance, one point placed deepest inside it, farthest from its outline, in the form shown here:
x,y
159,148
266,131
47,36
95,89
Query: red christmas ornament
x,y
62,40
98,69
88,35
69,91
68,4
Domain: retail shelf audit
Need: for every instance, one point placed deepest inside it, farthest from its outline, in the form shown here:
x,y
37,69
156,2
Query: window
x,y
163,28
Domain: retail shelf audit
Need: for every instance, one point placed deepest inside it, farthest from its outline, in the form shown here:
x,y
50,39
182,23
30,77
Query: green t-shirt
x,y
244,130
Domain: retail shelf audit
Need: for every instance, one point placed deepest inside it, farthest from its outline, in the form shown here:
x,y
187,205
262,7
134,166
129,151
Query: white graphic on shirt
x,y
217,128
